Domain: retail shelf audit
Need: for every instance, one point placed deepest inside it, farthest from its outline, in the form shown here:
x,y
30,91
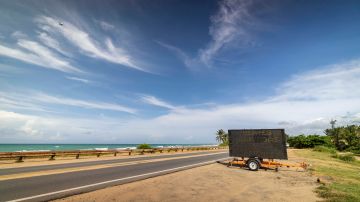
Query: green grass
x,y
325,149
344,175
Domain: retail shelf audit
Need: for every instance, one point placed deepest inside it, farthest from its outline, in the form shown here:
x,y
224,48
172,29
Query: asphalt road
x,y
8,171
47,187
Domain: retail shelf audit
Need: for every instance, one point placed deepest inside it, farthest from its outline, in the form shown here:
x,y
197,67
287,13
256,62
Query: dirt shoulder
x,y
213,182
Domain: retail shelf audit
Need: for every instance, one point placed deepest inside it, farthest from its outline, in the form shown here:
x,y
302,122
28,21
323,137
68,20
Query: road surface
x,y
53,186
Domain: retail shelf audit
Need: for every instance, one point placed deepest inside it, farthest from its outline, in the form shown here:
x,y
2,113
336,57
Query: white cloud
x,y
15,102
192,63
78,79
82,103
340,81
229,25
156,102
36,102
88,45
18,35
34,53
53,43
106,26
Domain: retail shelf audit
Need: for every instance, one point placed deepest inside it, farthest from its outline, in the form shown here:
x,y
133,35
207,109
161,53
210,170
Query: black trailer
x,y
251,146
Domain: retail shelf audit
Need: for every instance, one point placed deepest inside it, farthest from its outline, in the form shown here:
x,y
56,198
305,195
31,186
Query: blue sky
x,y
175,71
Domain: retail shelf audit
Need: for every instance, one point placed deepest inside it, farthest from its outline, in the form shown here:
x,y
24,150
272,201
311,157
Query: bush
x,y
347,157
344,157
224,144
321,148
144,146
310,141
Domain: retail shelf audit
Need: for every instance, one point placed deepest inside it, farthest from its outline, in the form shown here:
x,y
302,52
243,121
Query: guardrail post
x,y
52,157
19,159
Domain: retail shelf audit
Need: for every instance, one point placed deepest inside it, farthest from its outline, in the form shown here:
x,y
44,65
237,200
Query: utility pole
x,y
335,133
332,122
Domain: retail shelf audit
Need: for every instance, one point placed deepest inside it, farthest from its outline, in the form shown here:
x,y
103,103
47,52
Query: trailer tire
x,y
253,164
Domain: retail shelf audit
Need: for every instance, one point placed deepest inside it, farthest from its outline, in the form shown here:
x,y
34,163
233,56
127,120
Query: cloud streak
x,y
86,44
229,25
78,79
34,53
53,43
37,101
156,102
82,103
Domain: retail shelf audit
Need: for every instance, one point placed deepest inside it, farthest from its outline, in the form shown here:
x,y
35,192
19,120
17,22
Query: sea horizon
x,y
16,147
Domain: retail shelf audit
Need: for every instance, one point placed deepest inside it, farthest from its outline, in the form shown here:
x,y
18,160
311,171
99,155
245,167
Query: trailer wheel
x,y
253,165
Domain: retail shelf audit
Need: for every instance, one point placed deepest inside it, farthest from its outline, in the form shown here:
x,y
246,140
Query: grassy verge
x,y
341,178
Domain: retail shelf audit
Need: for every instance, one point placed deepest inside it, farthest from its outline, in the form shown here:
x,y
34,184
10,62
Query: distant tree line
x,y
308,141
343,138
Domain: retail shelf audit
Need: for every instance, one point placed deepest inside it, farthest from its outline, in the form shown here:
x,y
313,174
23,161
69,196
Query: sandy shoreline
x,y
213,182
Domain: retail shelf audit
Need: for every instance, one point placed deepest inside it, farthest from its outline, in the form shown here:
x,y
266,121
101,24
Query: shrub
x,y
144,146
346,157
321,148
224,144
310,141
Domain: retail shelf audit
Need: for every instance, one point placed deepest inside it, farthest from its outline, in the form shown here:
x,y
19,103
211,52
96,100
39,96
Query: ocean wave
x,y
33,150
125,148
102,149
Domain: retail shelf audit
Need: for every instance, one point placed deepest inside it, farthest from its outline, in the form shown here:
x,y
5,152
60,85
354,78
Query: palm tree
x,y
221,136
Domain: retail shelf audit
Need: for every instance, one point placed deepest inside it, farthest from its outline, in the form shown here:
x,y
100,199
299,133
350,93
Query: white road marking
x,y
116,180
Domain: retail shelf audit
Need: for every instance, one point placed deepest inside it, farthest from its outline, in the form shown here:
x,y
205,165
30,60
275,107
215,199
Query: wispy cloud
x,y
339,81
186,59
39,101
15,101
156,102
53,43
106,26
78,79
229,25
82,103
35,53
86,44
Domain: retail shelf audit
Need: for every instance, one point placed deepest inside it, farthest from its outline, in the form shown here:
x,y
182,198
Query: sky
x,y
175,71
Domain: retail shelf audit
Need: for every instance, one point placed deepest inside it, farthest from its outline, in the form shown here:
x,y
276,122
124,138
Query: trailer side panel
x,y
262,143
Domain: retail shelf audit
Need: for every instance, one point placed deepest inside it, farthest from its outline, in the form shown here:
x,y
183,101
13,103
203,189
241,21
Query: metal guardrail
x,y
20,156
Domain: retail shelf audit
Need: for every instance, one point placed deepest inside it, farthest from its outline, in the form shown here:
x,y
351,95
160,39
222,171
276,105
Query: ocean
x,y
58,147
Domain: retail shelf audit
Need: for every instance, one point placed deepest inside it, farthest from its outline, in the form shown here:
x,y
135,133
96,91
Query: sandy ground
x,y
214,182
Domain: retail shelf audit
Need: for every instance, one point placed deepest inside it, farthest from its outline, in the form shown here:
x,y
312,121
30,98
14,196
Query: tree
x,y
222,137
345,137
